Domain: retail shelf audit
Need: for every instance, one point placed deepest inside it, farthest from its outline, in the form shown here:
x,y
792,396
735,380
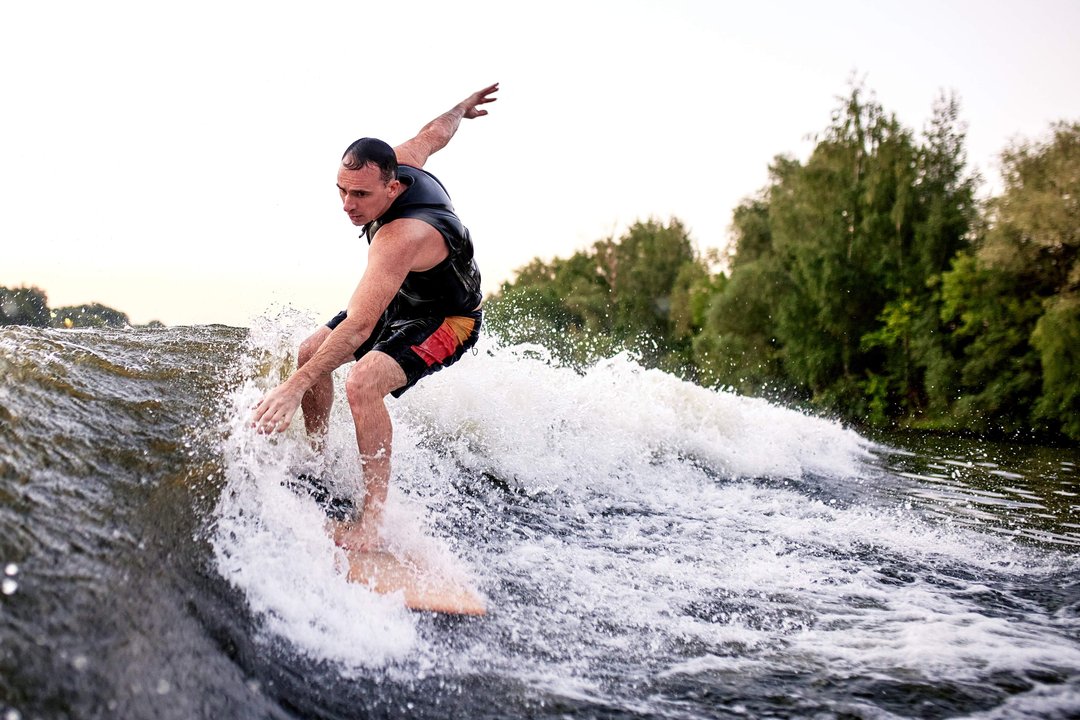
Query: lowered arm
x,y
390,258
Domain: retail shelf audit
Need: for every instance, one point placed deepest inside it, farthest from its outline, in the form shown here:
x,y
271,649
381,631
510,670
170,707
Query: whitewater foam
x,y
647,547
622,513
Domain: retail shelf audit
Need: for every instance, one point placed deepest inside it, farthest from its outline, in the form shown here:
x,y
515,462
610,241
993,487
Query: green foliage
x,y
893,343
94,315
1057,339
851,244
866,280
993,319
1025,352
835,232
733,346
645,292
24,306
1035,223
30,306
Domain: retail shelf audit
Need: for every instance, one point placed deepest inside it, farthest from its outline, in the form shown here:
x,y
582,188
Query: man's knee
x,y
311,345
372,379
360,387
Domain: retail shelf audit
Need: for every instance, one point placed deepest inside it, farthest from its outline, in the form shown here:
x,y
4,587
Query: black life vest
x,y
453,286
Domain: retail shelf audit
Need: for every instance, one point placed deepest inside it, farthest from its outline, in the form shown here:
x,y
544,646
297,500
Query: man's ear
x,y
394,188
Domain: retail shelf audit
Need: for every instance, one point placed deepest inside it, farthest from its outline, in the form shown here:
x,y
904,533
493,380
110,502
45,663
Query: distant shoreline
x,y
30,306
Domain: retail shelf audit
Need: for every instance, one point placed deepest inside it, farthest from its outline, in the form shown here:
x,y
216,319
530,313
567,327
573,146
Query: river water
x,y
647,548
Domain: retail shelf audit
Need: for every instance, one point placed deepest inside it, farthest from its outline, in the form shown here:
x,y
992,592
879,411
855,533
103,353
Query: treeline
x,y
867,282
30,306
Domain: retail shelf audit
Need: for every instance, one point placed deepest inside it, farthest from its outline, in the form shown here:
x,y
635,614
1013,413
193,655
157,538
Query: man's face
x,y
364,195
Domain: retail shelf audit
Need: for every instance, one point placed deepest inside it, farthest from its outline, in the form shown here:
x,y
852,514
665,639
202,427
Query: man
x,y
416,309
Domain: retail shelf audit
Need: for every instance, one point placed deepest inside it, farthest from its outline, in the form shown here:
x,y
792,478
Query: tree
x,y
30,306
24,306
737,346
835,275
1017,293
920,358
866,280
93,315
1057,339
637,293
994,317
842,229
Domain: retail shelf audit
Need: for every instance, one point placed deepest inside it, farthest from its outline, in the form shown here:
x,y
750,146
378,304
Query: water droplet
x,y
9,586
163,687
11,569
80,663
12,714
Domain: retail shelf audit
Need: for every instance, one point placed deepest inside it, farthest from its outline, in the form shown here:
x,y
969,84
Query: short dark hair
x,y
374,151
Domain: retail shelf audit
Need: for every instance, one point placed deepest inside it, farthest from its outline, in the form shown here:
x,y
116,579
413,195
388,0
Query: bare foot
x,y
355,536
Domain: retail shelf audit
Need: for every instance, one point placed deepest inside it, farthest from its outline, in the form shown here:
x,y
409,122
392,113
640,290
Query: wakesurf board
x,y
422,586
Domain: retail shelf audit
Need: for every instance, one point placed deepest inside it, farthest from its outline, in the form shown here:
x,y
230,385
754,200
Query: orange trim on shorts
x,y
445,341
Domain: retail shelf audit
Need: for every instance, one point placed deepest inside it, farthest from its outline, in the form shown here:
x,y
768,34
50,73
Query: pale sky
x,y
177,161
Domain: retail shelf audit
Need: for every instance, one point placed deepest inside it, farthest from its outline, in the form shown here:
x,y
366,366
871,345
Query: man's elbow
x,y
437,135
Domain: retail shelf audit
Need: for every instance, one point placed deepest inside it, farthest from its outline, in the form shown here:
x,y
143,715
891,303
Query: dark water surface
x,y
648,549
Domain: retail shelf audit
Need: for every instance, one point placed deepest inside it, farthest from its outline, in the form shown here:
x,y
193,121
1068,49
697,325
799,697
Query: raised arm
x,y
436,134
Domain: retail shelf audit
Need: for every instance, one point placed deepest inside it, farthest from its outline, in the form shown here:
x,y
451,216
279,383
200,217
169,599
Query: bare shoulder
x,y
410,241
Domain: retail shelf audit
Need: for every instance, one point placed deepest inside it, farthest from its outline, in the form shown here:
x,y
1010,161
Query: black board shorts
x,y
420,346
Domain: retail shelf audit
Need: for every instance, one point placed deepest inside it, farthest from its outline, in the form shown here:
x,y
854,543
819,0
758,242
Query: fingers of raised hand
x,y
473,102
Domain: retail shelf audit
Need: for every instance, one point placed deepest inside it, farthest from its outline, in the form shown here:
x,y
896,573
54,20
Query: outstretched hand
x,y
275,411
480,97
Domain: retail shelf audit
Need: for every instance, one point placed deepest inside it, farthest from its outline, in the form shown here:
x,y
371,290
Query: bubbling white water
x,y
543,425
273,544
658,527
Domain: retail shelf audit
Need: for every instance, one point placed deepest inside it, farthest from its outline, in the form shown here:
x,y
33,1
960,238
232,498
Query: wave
x,y
647,547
